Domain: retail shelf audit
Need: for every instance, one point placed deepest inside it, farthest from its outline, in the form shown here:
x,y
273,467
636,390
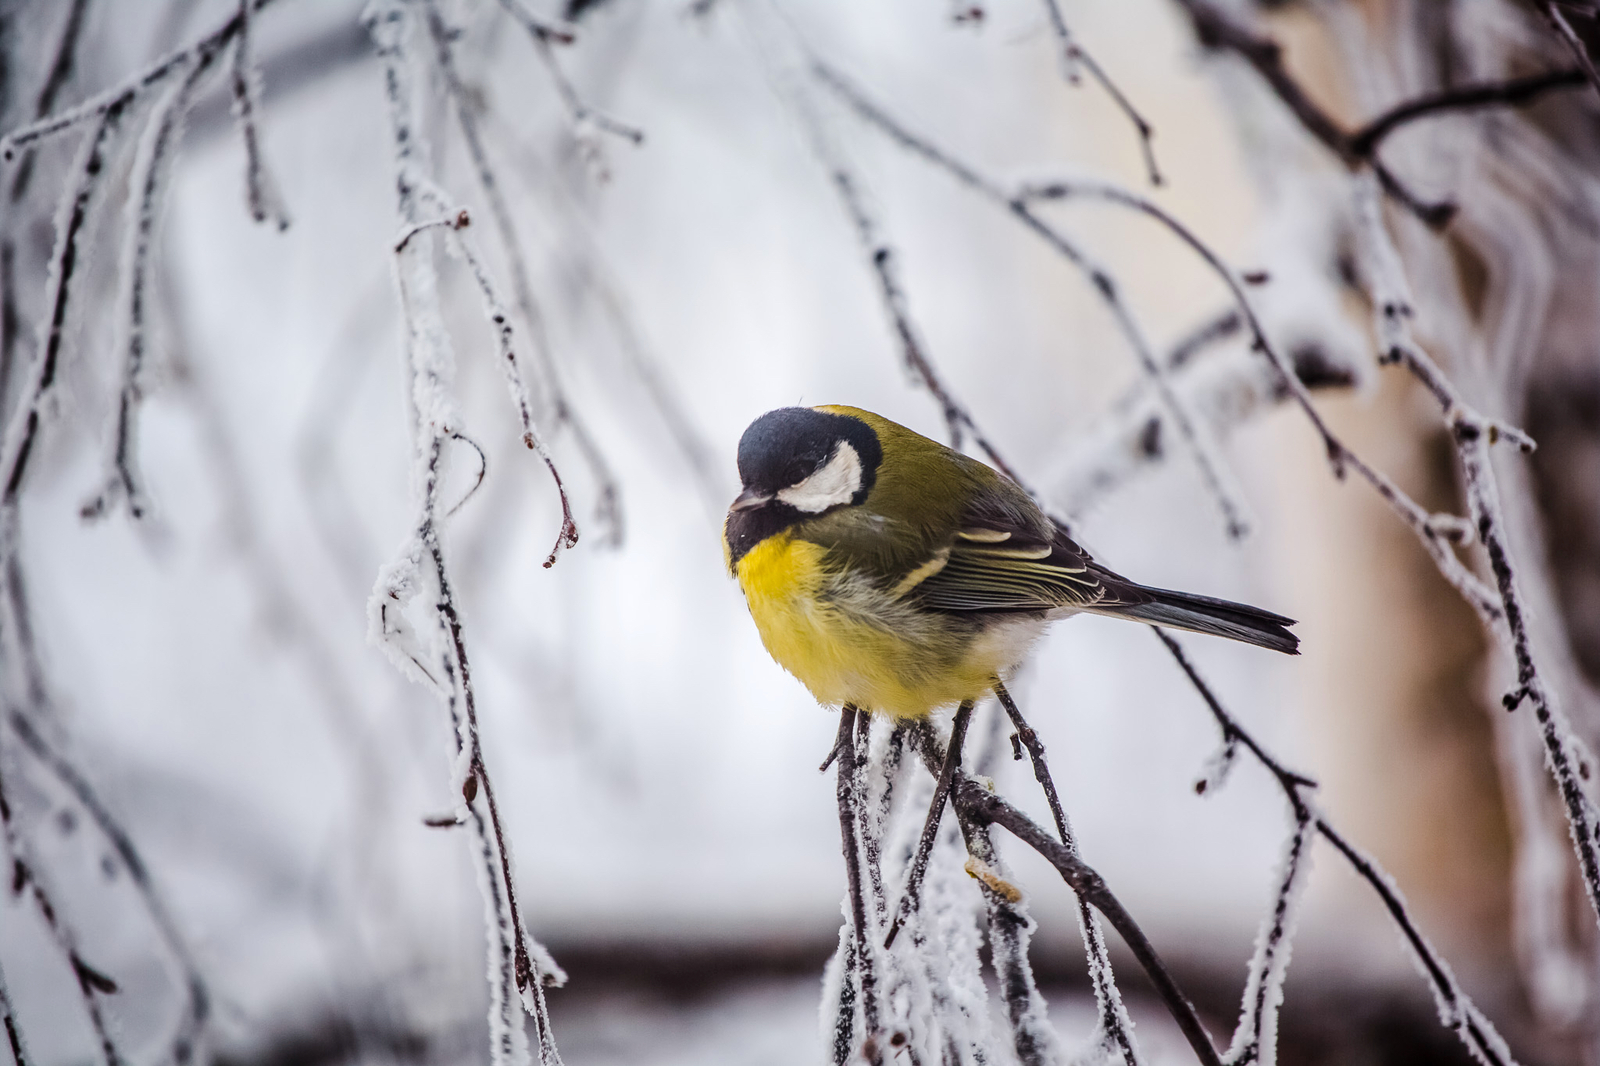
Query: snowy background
x,y
674,844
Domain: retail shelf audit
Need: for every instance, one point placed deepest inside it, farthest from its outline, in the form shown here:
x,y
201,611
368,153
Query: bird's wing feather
x,y
999,565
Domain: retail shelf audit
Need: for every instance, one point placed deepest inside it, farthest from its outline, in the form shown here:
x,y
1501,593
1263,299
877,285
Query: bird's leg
x,y
847,789
930,828
1035,746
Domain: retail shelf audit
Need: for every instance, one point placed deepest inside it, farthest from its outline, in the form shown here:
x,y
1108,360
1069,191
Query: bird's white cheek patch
x,y
836,483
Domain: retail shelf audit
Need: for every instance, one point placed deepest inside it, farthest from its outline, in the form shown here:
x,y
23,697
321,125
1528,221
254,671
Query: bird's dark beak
x,y
750,498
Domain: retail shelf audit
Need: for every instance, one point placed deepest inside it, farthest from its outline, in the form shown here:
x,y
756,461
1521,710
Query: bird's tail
x,y
1206,614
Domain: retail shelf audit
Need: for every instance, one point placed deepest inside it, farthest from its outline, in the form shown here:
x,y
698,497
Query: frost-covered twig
x,y
863,972
500,319
551,395
1456,1010
61,68
262,194
1073,54
188,1038
120,95
545,36
1474,433
26,876
973,798
1214,473
946,775
152,170
420,567
8,1018
1256,1037
85,189
1116,1029
1437,535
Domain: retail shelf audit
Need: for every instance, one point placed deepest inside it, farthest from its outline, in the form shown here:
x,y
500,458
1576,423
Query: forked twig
x,y
930,827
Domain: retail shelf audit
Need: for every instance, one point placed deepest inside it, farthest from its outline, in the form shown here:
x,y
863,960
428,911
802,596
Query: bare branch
x,y
261,190
1073,54
1580,51
864,970
1213,471
1456,1010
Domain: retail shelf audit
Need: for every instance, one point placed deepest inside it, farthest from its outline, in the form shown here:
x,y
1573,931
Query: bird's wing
x,y
996,565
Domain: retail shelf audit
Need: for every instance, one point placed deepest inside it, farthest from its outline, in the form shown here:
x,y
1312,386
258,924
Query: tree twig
x,y
1072,54
930,827
848,792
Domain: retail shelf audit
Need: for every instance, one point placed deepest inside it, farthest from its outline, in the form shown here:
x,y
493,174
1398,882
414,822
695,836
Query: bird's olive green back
x,y
923,494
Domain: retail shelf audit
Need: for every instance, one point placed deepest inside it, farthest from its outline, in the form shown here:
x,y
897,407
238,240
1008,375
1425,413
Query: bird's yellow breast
x,y
851,642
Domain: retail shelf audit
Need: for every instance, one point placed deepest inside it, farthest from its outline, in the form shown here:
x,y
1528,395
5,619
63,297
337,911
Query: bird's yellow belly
x,y
855,643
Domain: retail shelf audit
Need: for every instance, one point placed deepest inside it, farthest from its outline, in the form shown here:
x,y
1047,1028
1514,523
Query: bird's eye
x,y
833,484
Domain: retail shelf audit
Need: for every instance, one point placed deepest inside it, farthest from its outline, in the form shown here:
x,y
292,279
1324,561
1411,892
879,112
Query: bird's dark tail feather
x,y
1206,614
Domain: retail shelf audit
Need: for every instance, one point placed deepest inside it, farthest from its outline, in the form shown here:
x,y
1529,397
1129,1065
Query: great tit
x,y
890,572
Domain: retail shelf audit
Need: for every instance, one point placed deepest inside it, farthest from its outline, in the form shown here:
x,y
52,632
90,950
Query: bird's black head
x,y
797,463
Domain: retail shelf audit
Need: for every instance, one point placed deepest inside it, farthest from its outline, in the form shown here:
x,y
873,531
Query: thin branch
x,y
191,1031
930,827
1213,471
973,799
1216,28
151,178
545,36
567,536
513,975
1436,537
1073,54
61,68
1473,434
1456,1010
8,1018
92,984
1114,1019
261,190
120,95
864,971
1364,143
562,412
23,430
1569,37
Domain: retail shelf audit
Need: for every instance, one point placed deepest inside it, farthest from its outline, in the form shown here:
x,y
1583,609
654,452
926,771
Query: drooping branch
x,y
420,566
1474,434
550,395
972,799
1457,1012
1213,471
864,971
1073,55
188,1038
1217,28
262,194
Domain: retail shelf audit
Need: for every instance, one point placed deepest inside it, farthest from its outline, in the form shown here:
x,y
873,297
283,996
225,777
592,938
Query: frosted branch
x,y
586,120
119,96
515,983
863,971
1456,1011
1116,1028
26,876
1436,537
262,194
151,176
188,1038
550,393
1213,472
1566,756
8,1018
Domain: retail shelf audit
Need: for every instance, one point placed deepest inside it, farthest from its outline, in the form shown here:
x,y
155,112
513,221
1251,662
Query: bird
x,y
893,574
